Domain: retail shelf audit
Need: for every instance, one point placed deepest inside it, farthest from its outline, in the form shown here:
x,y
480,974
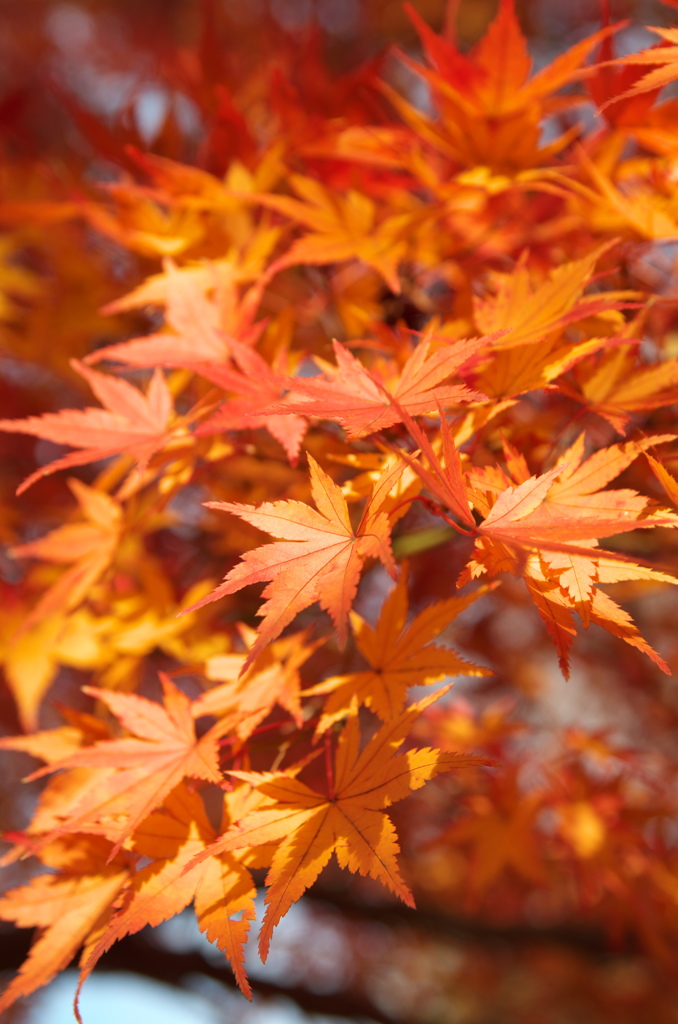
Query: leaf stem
x,y
436,510
329,770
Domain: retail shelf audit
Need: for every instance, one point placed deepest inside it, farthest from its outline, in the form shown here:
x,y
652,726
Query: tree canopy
x,y
340,483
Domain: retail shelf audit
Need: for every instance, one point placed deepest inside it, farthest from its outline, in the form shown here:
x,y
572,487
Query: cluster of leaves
x,y
405,343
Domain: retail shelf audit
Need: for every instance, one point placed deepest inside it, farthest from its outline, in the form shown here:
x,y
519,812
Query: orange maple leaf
x,y
501,834
400,655
528,313
342,226
566,504
201,328
66,908
318,558
634,203
489,104
617,385
349,820
130,422
666,479
133,775
532,350
247,697
221,887
91,545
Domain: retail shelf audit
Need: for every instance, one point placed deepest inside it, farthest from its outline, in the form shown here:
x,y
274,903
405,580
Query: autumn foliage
x,y
398,343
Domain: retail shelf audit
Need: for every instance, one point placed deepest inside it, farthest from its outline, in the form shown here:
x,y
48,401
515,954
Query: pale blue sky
x,y
124,998
113,998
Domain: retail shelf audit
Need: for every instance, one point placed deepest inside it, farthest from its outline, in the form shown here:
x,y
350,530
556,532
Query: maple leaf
x,y
536,315
349,821
91,545
516,371
318,557
534,312
662,58
374,465
209,337
445,480
138,222
607,85
351,394
546,516
562,582
248,696
133,775
342,227
489,105
29,660
637,204
130,422
66,908
567,504
666,479
259,388
400,655
567,501
50,745
222,888
201,328
615,387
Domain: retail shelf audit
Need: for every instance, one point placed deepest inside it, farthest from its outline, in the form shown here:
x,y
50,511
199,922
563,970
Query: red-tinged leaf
x,y
445,480
567,66
503,59
132,776
133,423
493,80
350,394
318,557
258,388
606,83
664,61
458,71
566,504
